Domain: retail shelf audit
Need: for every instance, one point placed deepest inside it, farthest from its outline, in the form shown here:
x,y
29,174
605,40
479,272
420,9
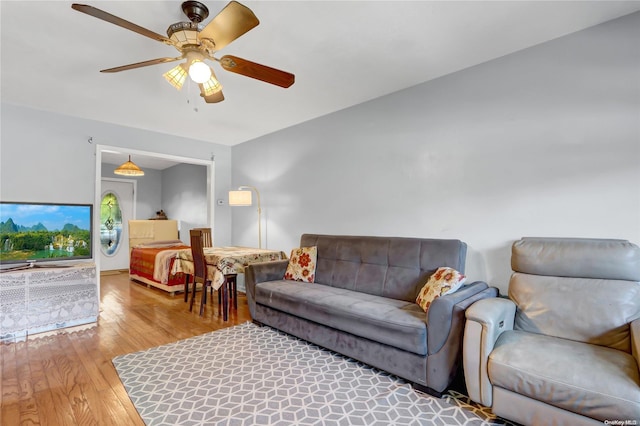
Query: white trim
x,y
134,152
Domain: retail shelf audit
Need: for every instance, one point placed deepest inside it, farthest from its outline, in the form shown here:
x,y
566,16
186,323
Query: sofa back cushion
x,y
392,267
579,289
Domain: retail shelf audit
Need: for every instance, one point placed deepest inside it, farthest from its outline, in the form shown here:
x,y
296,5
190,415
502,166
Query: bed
x,y
153,245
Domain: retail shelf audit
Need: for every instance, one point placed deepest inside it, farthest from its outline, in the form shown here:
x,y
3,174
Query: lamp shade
x,y
240,198
176,76
129,168
211,86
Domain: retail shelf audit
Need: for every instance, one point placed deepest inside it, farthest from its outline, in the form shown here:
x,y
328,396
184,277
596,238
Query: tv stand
x,y
47,297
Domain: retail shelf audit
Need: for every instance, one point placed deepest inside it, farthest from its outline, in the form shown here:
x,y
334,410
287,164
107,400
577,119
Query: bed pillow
x,y
302,264
444,281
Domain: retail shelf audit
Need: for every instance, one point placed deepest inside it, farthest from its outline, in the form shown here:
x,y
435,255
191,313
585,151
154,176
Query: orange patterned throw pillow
x,y
443,281
302,264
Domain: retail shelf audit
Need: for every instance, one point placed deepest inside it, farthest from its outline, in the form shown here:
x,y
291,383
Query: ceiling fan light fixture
x,y
129,168
176,76
211,86
199,71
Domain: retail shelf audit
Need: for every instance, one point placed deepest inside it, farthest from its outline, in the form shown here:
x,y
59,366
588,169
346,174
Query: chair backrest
x,y
586,290
197,253
207,241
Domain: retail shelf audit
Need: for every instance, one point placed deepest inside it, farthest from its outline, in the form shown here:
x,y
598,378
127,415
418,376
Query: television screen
x,y
33,232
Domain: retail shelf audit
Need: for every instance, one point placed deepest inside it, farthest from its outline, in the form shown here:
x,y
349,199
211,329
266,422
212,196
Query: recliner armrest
x,y
486,320
261,272
635,340
498,313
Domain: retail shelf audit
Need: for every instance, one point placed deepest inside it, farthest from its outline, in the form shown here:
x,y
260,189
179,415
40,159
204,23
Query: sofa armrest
x,y
261,272
635,341
445,325
486,320
440,315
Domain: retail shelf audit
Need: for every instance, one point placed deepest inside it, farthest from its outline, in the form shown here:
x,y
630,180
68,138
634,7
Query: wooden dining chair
x,y
207,241
232,291
199,268
200,276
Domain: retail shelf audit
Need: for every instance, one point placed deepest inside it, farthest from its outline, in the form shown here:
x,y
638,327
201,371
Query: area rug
x,y
250,375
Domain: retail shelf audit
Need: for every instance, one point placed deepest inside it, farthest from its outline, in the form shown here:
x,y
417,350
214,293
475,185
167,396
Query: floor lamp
x,y
242,197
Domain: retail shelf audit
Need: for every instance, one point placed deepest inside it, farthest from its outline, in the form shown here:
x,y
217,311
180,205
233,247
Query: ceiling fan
x,y
196,43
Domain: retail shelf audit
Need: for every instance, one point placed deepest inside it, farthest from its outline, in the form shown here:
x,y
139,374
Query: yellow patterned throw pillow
x,y
302,264
443,281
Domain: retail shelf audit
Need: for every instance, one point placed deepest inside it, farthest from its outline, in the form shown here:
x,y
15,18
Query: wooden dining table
x,y
223,264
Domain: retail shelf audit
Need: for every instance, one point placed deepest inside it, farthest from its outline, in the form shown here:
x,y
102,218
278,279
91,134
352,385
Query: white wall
x,y
543,142
46,157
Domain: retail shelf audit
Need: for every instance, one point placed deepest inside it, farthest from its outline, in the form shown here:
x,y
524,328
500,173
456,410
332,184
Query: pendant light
x,y
129,168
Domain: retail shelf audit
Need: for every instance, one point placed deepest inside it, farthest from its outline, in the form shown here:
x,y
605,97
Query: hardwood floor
x,y
67,378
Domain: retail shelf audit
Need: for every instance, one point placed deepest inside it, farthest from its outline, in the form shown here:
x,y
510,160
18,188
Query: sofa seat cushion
x,y
595,381
397,323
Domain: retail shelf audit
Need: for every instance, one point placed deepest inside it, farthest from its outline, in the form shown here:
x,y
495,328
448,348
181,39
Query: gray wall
x,y
46,157
542,142
184,197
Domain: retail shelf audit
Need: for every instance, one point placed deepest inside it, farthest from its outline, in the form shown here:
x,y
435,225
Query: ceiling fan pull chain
x,y
191,98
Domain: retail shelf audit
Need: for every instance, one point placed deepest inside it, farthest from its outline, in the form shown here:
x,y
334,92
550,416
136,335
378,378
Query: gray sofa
x,y
564,349
362,304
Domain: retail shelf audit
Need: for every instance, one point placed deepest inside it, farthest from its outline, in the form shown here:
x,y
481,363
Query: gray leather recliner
x,y
565,347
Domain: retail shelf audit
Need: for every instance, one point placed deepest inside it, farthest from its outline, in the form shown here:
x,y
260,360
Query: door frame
x,y
210,164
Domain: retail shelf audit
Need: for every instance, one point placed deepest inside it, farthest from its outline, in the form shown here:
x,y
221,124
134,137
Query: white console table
x,y
42,299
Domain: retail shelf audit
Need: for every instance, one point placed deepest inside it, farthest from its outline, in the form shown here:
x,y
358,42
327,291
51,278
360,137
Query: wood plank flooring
x,y
67,378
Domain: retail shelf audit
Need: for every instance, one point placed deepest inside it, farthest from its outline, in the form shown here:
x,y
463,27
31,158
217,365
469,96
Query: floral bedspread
x,y
155,263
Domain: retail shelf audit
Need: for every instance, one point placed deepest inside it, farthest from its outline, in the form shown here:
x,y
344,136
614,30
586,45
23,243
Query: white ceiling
x,y
342,53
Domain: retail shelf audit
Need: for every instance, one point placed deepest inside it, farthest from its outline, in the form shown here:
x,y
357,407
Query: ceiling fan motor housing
x,y
183,33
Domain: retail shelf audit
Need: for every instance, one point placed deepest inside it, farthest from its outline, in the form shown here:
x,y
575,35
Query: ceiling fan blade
x,y
212,99
105,16
232,22
142,64
257,71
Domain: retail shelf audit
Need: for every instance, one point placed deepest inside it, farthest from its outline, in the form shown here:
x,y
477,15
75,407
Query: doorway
x,y
100,149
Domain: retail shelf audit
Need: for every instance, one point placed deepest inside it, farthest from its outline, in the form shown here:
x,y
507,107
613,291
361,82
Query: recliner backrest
x,y
586,290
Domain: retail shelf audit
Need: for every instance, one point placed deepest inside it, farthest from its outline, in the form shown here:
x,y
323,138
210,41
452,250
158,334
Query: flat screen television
x,y
44,232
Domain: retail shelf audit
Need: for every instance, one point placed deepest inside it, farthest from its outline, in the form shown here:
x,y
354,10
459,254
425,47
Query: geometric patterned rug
x,y
250,375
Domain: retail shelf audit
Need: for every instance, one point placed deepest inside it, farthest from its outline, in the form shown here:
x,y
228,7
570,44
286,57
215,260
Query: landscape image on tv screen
x,y
44,232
